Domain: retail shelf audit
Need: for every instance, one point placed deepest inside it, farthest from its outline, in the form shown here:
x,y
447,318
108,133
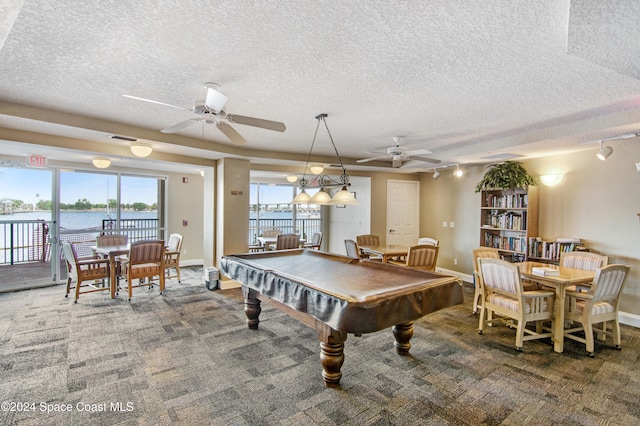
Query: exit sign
x,y
37,161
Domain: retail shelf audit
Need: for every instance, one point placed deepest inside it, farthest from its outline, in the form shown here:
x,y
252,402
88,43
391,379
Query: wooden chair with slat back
x,y
367,240
271,233
422,257
111,240
145,261
504,295
172,256
287,241
87,270
352,249
597,306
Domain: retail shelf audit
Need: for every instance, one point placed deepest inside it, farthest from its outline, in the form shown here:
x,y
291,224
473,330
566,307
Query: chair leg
x,y
616,334
68,286
588,337
520,334
481,320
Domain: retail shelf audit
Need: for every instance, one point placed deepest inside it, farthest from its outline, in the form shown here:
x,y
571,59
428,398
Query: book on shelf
x,y
545,271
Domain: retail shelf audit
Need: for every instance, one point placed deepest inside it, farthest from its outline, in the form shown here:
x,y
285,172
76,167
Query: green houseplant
x,y
506,175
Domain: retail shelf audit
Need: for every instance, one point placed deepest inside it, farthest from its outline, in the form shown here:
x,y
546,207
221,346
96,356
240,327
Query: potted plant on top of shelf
x,y
506,175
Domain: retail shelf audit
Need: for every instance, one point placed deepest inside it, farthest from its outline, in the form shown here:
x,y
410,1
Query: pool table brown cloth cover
x,y
347,294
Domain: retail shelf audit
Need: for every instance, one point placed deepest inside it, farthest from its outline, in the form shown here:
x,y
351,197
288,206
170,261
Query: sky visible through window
x,y
33,185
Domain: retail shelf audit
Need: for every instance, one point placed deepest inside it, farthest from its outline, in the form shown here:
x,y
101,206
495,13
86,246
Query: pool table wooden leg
x,y
252,309
403,334
331,353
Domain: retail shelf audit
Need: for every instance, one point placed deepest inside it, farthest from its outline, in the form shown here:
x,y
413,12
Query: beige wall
x,y
181,194
596,201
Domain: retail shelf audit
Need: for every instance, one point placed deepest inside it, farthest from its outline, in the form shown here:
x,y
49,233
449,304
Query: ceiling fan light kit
x,y
215,100
399,155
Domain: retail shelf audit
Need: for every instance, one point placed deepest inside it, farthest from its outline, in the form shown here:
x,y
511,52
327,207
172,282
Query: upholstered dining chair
x,y
316,241
503,295
84,269
172,256
287,241
597,306
582,260
271,233
420,257
145,261
486,252
352,249
367,240
428,240
111,240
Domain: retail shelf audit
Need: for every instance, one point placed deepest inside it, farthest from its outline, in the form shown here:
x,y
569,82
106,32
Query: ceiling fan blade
x,y
411,153
181,125
366,160
156,102
426,159
231,133
257,122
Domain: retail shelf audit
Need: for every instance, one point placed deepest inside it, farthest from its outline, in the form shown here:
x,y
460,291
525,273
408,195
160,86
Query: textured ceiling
x,y
466,80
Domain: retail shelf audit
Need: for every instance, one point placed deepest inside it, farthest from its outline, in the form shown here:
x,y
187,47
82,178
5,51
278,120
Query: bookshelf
x,y
549,251
508,219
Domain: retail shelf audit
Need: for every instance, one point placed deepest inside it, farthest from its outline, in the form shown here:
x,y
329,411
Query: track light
x,y
604,153
436,174
458,172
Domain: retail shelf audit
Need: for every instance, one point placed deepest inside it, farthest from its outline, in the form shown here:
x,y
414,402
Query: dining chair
x,y
427,240
582,260
287,241
172,256
145,261
84,269
352,249
316,241
503,295
111,240
367,240
271,233
422,257
484,252
597,306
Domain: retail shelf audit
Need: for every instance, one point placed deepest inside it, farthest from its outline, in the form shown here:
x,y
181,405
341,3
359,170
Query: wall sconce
x,y
551,179
202,173
292,178
458,172
604,153
141,149
101,162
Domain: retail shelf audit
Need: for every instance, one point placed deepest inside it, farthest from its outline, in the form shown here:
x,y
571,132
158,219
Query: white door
x,y
403,212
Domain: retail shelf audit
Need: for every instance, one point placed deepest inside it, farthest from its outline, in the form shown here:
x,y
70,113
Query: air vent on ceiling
x,y
123,138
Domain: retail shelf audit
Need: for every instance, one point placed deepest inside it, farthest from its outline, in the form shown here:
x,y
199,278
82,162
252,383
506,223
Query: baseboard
x,y
191,262
464,277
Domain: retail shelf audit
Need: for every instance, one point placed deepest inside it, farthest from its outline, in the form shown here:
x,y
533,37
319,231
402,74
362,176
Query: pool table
x,y
338,295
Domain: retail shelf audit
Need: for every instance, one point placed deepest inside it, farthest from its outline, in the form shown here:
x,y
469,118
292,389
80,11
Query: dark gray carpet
x,y
187,357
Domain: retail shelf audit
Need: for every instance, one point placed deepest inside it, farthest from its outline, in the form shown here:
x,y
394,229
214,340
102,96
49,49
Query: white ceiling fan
x,y
398,155
211,112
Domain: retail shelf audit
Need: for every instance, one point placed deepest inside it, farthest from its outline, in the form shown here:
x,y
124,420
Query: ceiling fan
x,y
211,112
398,155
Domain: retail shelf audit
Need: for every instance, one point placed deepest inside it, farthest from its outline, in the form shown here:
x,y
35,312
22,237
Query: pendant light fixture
x,y
324,182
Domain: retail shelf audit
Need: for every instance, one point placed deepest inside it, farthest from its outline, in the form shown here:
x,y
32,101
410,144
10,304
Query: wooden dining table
x,y
112,252
386,252
566,277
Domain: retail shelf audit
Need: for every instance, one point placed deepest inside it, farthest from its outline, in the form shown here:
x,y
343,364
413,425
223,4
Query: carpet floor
x,y
187,357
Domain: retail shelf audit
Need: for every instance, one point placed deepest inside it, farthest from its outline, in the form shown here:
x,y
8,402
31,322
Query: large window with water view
x,y
271,208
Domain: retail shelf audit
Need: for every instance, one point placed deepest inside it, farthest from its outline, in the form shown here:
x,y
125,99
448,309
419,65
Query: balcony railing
x,y
304,226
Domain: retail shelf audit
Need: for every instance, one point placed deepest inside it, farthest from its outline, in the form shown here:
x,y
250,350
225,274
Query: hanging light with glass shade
x,y
323,181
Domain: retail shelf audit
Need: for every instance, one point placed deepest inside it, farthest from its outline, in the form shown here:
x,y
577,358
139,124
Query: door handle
x,y
392,231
